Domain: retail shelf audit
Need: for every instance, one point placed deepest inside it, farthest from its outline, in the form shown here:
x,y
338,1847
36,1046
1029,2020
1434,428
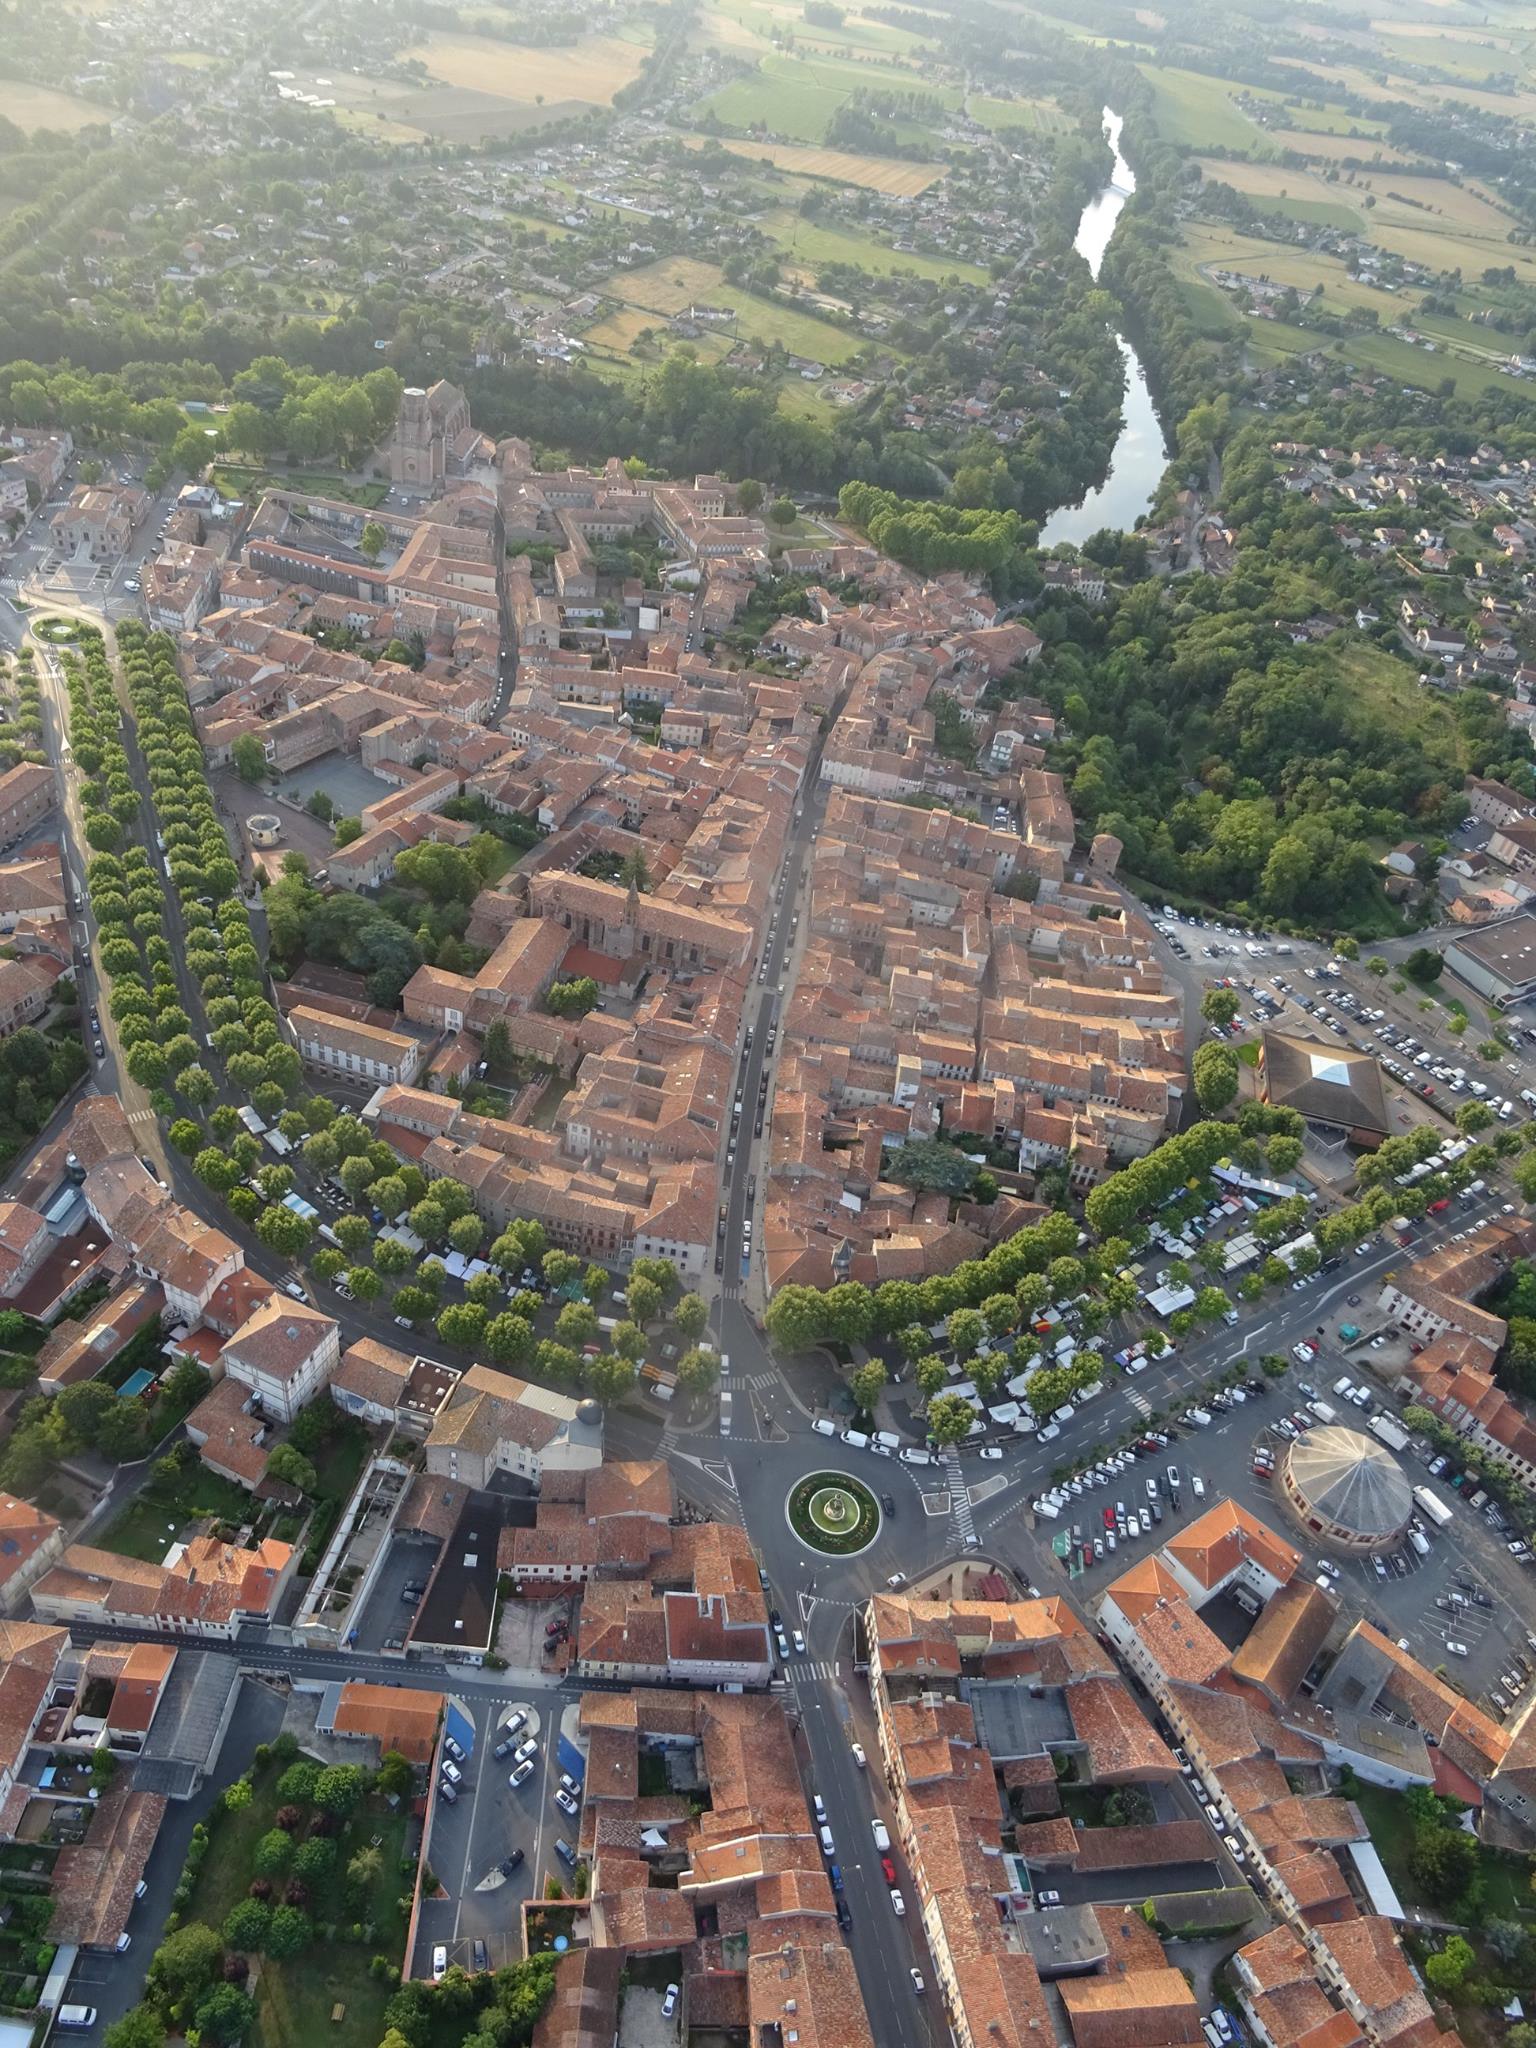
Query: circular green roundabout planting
x,y
833,1513
62,630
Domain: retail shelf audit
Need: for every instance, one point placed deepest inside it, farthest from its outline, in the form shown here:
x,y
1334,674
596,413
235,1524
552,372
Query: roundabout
x,y
832,1513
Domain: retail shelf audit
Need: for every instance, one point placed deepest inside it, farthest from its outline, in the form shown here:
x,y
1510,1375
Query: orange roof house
x,y
395,1717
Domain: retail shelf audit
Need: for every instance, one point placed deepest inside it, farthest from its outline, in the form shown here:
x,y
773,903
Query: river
x,y
1139,457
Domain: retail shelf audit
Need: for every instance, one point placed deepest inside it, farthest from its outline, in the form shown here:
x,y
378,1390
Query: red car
x,y
1109,1518
888,1870
1443,1203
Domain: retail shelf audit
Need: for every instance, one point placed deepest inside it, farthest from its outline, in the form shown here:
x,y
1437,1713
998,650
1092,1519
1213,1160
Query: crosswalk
x,y
826,1668
960,1504
1139,1401
756,1382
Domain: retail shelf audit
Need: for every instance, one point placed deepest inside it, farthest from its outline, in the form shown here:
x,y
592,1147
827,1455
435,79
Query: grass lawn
x,y
153,1520
230,480
1506,1885
295,1998
339,1461
39,106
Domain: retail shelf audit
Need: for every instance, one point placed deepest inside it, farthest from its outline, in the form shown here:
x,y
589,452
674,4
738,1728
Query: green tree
x,y
950,1417
610,1378
1448,1971
1215,1070
1219,1005
247,1924
292,1468
697,1369
249,757
339,1789
225,2014
690,1317
867,1384
187,1959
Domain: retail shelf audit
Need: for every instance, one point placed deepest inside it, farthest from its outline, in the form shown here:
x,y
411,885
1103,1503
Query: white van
x,y
888,1439
856,1438
823,1426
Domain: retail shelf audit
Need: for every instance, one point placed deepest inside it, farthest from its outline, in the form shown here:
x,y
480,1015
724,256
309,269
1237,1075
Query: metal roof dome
x,y
1350,1481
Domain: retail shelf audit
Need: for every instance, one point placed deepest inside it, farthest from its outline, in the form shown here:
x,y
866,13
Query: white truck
x,y
1432,1505
1386,1431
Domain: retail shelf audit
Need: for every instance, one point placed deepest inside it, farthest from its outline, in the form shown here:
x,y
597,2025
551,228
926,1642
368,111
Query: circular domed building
x,y
1346,1489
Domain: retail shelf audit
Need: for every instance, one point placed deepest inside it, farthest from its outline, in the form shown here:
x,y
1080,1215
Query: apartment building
x,y
492,1422
1436,1295
207,1588
99,521
30,1540
285,1353
27,794
345,1046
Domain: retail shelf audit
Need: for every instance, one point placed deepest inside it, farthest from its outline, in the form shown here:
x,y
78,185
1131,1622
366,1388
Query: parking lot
x,y
488,1821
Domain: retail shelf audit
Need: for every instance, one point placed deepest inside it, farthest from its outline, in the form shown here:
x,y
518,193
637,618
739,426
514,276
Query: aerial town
x,y
767,1054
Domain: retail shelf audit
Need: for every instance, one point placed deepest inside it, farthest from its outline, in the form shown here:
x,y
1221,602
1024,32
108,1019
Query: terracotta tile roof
x,y
1368,1952
1276,1958
279,1338
24,1529
1178,1841
1213,1546
1142,2009
29,1656
93,1883
140,1682
1180,1644
1283,1643
1122,1742
1137,1591
396,1717
584,2011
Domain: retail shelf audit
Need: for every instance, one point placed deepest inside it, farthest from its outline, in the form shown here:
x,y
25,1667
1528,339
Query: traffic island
x,y
833,1513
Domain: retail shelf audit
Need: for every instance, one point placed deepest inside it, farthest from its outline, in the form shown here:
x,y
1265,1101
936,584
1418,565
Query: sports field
x,y
843,166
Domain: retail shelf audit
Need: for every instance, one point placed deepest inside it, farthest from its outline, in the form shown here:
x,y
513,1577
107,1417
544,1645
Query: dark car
x,y
481,1957
888,1504
844,1917
512,1862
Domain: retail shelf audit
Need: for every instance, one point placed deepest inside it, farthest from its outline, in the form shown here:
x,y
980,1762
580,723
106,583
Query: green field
x,y
1193,109
797,97
1039,117
741,23
810,245
667,287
